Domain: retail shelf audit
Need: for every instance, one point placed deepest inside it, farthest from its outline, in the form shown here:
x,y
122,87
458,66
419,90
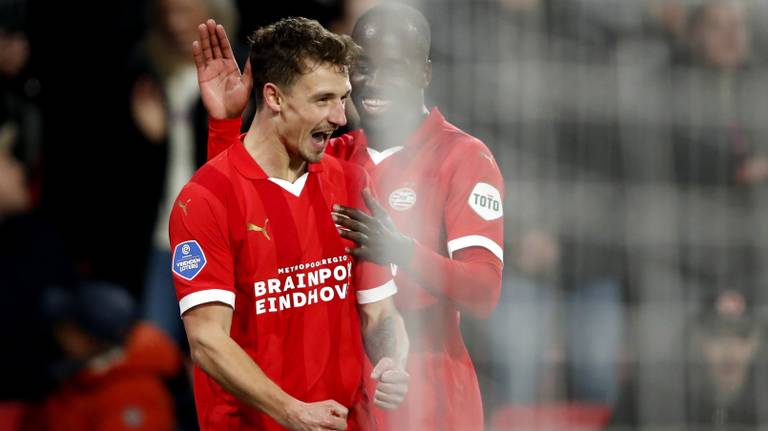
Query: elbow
x,y
197,351
198,355
201,348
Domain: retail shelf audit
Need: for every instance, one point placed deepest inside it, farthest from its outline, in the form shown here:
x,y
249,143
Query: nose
x,y
337,116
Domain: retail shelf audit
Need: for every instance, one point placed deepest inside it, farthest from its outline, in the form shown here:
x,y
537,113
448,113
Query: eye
x,y
361,68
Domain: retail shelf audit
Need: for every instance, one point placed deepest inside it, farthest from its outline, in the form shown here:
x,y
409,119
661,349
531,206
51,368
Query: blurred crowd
x,y
632,135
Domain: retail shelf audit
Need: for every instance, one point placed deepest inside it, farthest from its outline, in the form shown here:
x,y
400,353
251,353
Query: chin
x,y
376,125
313,158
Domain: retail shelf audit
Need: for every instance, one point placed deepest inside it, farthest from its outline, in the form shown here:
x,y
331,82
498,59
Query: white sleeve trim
x,y
206,296
475,241
377,293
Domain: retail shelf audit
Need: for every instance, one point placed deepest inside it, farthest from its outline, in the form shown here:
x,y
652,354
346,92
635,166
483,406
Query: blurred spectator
x,y
725,384
715,130
562,304
31,258
169,131
558,333
20,115
719,140
113,370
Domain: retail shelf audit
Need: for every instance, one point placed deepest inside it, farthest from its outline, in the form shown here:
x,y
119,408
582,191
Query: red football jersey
x,y
443,188
270,249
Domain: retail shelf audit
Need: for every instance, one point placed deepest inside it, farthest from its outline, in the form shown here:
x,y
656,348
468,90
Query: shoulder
x,y
459,150
205,196
458,140
214,179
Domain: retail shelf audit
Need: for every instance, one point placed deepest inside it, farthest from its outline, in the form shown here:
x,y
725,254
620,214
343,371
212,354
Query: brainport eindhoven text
x,y
304,284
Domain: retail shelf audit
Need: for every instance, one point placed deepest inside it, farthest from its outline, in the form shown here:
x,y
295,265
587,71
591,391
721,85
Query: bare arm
x,y
386,343
230,366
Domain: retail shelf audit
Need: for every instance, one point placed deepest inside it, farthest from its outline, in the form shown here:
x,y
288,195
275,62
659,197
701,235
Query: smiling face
x,y
312,108
389,79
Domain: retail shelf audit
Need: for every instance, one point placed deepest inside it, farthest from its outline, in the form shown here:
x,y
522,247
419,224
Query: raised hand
x,y
319,416
224,90
378,239
392,386
148,109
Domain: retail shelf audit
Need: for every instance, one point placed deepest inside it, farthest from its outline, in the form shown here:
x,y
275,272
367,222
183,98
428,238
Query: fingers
x,y
337,416
358,237
338,409
197,53
350,224
396,389
387,401
383,365
226,47
395,376
214,37
373,205
361,253
353,213
205,42
334,423
393,385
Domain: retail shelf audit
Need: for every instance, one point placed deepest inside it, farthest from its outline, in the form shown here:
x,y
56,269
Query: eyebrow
x,y
329,94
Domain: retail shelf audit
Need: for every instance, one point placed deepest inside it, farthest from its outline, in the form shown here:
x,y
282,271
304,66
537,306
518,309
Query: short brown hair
x,y
280,52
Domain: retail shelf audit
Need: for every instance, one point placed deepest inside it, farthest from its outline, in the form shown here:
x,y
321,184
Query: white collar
x,y
379,156
293,188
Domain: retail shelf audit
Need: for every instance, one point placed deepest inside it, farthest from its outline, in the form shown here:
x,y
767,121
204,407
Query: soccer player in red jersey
x,y
441,221
277,312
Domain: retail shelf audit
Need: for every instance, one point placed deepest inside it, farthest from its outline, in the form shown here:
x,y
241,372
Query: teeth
x,y
375,102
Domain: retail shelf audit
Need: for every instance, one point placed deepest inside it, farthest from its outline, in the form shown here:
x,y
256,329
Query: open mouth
x,y
375,105
321,137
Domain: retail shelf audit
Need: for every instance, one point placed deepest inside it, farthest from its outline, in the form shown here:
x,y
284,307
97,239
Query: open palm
x,y
224,90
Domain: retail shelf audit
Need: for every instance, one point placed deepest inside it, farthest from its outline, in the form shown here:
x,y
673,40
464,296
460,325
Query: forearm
x,y
385,337
231,367
472,279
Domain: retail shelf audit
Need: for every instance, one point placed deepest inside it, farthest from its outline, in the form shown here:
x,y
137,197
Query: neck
x,y
267,148
382,138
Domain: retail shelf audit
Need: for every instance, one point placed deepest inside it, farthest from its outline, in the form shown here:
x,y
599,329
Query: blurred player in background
x,y
440,225
276,311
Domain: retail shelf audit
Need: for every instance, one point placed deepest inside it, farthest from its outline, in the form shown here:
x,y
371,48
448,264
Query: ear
x,y
427,73
273,97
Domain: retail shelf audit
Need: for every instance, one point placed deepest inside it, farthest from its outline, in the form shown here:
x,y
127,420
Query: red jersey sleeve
x,y
471,277
221,134
202,263
373,282
474,207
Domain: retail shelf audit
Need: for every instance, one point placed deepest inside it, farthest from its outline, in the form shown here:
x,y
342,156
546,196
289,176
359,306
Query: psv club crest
x,y
402,199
